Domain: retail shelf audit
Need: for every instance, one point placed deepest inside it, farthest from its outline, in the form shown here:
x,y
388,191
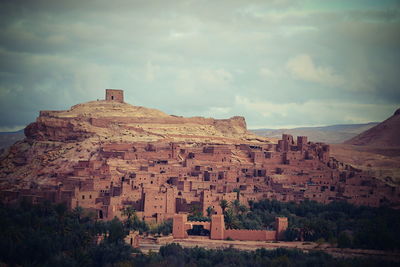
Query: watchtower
x,y
115,95
178,228
301,142
281,224
217,227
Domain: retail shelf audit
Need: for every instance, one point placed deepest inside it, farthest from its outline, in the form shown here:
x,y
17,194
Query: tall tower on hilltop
x,y
115,95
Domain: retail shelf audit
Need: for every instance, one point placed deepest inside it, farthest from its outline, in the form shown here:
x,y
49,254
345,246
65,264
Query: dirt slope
x,y
385,134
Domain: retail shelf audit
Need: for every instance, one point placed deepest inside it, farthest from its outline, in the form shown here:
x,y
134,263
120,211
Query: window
x,y
112,97
83,196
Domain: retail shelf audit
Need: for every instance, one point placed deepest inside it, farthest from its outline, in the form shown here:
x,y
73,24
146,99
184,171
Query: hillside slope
x,y
385,134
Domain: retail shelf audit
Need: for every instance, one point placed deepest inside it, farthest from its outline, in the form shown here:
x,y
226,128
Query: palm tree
x,y
231,220
132,218
196,210
235,206
78,213
128,212
242,209
237,190
224,204
210,211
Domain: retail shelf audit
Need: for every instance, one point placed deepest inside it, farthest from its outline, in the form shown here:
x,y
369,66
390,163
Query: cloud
x,y
12,129
151,71
217,77
302,67
266,72
199,80
312,113
218,112
193,58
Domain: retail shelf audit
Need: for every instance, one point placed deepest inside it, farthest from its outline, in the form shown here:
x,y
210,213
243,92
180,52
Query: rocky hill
x,y
59,139
385,134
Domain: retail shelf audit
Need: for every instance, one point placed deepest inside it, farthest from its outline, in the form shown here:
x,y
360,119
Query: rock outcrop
x,y
114,121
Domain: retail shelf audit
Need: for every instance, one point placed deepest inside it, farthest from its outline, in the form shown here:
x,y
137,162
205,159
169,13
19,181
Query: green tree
x,y
231,220
164,228
110,254
116,231
133,222
210,211
344,240
235,206
237,190
242,209
223,204
129,212
195,211
291,234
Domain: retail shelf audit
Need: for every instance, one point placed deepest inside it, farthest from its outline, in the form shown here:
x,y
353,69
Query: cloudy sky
x,y
277,63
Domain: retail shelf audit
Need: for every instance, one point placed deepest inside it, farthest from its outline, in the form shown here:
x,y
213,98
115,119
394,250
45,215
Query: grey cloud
x,y
192,58
387,15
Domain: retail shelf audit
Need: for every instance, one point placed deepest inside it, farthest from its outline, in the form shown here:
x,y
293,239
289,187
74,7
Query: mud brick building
x,y
162,179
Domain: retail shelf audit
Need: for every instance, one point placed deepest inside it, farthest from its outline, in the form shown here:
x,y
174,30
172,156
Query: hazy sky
x,y
277,63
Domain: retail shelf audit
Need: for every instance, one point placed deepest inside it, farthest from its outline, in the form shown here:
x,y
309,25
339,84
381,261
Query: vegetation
x,y
224,204
196,214
133,222
174,255
210,211
338,222
164,228
50,235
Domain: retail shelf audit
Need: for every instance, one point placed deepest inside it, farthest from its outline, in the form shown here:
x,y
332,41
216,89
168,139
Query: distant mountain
x,y
9,138
333,134
385,134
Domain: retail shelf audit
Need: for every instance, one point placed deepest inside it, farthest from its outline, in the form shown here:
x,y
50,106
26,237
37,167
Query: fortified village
x,y
107,155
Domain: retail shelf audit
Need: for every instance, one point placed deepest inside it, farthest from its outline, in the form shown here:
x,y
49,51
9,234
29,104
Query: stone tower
x,y
178,229
301,142
115,95
281,226
217,227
